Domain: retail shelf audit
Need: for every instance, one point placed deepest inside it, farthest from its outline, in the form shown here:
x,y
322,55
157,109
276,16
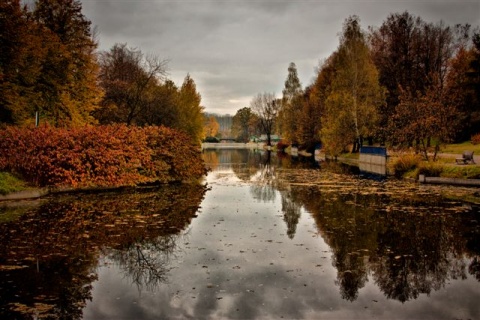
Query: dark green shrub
x,y
211,140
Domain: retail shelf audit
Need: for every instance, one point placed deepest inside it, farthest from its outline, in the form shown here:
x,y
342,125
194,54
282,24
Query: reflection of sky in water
x,y
237,261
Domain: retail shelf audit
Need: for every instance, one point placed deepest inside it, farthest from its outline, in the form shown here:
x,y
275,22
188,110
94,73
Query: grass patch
x,y
350,156
462,172
437,169
411,166
460,147
9,183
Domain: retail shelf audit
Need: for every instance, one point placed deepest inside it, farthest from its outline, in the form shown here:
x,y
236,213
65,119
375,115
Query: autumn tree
x,y
131,82
190,110
137,93
421,117
19,42
461,94
47,64
394,49
314,105
69,74
244,124
352,105
289,113
308,121
462,87
211,126
411,55
162,108
474,81
266,107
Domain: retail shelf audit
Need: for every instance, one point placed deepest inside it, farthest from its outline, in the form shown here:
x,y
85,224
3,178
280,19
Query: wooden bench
x,y
467,157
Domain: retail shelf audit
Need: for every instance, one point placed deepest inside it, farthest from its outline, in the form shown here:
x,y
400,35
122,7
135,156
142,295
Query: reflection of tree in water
x,y
351,275
291,212
49,255
410,246
263,187
474,268
258,166
146,262
413,256
246,163
211,158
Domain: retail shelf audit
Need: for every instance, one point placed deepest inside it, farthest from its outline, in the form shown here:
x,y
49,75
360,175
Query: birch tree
x,y
356,95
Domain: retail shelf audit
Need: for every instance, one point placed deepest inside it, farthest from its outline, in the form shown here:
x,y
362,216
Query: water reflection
x,y
48,257
272,237
263,187
409,241
147,262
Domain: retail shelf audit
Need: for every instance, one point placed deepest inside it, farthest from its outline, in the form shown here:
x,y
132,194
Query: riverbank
x,y
232,145
450,172
35,193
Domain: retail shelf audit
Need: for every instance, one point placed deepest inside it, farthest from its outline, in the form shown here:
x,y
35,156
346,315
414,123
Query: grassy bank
x,y
9,183
460,147
411,166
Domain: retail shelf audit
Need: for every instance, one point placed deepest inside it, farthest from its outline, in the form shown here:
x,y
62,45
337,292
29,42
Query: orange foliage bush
x,y
476,139
99,155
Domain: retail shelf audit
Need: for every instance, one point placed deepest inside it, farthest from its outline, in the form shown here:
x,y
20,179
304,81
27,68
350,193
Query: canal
x,y
264,236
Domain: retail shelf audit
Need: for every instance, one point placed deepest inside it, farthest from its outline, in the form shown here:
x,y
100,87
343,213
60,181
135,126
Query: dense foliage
x,y
137,93
408,83
47,64
50,68
355,95
108,155
245,124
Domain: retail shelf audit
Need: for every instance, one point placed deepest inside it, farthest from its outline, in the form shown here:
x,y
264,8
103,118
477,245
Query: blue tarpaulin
x,y
380,151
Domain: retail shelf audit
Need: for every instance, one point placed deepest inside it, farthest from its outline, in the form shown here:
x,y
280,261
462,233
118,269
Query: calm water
x,y
263,237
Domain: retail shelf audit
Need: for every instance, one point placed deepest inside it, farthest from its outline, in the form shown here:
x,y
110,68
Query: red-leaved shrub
x,y
113,155
476,139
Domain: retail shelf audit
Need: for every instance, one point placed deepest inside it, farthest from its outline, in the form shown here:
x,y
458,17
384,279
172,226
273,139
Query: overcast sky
x,y
235,49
